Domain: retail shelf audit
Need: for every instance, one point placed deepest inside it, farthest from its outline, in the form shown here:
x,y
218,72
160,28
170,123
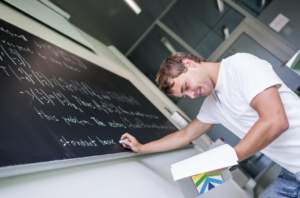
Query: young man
x,y
246,96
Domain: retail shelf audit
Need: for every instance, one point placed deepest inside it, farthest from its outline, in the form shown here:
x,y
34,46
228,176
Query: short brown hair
x,y
171,68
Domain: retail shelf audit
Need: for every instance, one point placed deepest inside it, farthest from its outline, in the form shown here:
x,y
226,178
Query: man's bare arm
x,y
271,124
172,141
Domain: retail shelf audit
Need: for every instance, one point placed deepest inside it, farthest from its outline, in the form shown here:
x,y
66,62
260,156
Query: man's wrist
x,y
237,153
141,149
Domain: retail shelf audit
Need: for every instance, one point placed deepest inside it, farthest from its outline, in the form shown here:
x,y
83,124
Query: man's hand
x,y
131,143
192,131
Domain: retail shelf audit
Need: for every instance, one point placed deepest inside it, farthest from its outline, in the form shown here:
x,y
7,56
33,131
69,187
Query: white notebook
x,y
220,157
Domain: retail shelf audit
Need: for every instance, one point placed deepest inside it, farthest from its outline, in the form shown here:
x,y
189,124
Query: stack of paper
x,y
220,157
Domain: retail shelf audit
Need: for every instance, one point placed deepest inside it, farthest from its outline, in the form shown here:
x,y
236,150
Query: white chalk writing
x,y
83,143
13,34
74,120
98,122
106,142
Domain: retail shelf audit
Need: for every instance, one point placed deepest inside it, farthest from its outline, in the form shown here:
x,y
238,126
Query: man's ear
x,y
188,62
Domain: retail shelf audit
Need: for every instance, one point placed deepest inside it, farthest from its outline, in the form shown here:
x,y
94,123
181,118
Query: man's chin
x,y
209,94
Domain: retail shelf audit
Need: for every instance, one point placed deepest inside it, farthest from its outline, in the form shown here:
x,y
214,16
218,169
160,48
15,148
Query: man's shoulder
x,y
243,63
240,58
243,55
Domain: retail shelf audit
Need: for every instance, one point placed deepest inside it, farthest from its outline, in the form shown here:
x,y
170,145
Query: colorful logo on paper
x,y
205,182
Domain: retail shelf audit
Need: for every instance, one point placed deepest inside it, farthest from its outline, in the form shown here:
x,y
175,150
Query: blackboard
x,y
58,106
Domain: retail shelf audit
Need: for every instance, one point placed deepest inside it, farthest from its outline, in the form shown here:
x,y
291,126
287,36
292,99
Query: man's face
x,y
193,83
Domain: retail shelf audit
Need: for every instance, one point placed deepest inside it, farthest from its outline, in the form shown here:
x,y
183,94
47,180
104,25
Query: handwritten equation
x,y
59,87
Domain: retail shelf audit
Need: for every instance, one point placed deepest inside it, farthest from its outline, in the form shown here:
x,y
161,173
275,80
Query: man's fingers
x,y
126,146
124,136
127,136
127,142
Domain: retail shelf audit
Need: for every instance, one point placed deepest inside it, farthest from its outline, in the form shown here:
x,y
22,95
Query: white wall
x,y
140,176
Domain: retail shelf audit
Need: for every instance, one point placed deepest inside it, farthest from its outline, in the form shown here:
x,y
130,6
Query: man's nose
x,y
192,94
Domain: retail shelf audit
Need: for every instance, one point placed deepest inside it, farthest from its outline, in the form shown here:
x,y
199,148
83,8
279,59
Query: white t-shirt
x,y
241,77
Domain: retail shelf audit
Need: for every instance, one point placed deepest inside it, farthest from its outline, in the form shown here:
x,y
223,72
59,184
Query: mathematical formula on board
x,y
62,99
21,70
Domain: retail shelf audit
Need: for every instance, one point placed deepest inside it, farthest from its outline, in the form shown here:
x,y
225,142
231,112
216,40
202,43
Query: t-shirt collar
x,y
218,84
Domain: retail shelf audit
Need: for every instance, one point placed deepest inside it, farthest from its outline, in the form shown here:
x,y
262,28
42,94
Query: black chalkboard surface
x,y
56,105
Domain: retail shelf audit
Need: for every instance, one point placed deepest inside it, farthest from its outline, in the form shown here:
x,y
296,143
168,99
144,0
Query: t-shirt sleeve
x,y
252,75
204,114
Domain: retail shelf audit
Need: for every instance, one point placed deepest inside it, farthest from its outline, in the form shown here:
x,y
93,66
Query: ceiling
x,y
111,21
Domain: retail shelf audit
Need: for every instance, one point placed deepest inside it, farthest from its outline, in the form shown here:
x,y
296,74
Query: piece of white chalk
x,y
121,141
